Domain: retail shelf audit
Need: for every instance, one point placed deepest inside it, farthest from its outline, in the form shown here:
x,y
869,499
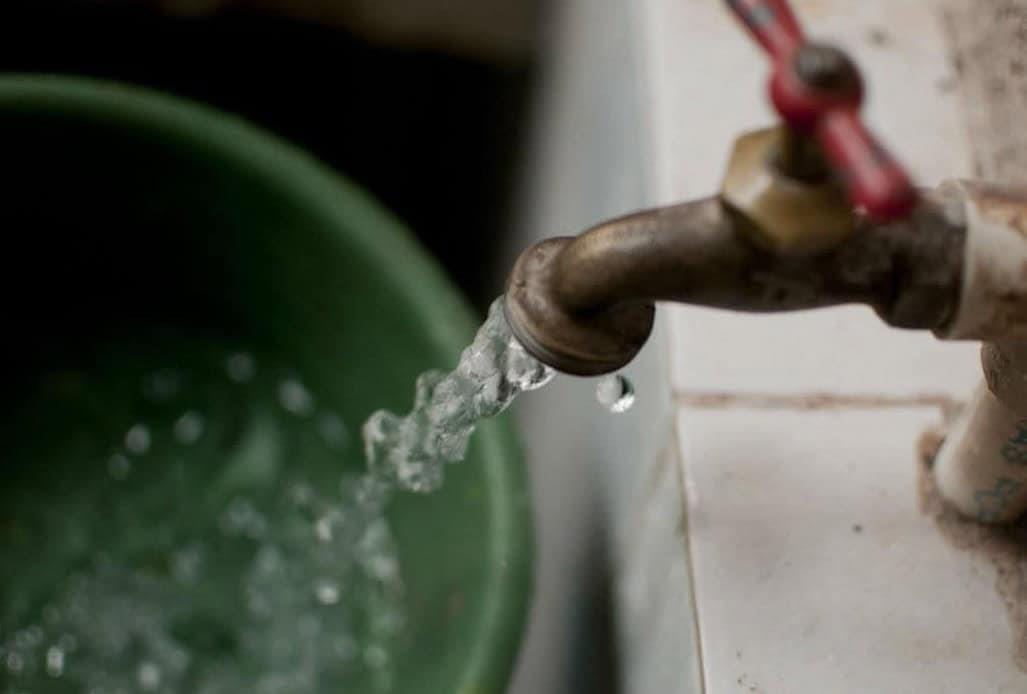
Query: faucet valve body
x,y
778,207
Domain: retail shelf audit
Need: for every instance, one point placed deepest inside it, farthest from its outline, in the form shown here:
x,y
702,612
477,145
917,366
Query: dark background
x,y
433,122
434,133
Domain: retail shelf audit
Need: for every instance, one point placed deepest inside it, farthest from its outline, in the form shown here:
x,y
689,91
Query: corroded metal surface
x,y
584,305
584,342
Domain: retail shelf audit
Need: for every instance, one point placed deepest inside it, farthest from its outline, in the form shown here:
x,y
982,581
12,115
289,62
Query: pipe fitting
x,y
777,185
982,467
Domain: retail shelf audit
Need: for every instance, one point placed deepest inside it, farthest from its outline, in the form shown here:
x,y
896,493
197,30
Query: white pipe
x,y
982,467
993,299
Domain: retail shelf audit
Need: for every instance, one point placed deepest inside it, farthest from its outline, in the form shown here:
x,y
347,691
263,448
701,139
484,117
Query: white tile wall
x,y
658,631
836,350
815,570
789,597
707,86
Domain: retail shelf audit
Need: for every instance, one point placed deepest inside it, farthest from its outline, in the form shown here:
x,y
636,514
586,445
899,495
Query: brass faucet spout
x,y
585,305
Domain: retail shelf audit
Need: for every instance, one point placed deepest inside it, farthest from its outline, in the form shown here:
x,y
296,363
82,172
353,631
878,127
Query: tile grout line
x,y
679,462
811,401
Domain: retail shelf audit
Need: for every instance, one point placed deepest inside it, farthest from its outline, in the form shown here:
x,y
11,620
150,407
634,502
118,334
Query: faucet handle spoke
x,y
772,23
872,177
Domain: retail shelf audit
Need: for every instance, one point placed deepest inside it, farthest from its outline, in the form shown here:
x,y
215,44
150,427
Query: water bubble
x,y
327,591
242,518
309,625
375,657
148,676
268,561
189,428
615,393
294,397
137,439
315,569
54,661
162,385
15,663
301,495
241,367
424,388
34,636
383,567
332,430
344,648
328,525
186,564
119,467
390,621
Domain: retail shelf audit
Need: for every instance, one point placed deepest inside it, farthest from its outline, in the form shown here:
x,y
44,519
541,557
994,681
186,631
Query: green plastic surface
x,y
138,227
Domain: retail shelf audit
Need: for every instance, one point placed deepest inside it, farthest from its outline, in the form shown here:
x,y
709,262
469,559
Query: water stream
x,y
294,583
412,451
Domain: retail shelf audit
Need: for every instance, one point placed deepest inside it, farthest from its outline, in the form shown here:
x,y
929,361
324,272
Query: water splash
x,y
308,575
412,451
277,585
616,393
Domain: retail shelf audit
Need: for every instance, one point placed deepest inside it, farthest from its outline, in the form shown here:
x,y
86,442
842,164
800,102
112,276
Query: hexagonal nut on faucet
x,y
783,214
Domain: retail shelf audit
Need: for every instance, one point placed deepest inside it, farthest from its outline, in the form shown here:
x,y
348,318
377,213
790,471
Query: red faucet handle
x,y
772,23
872,177
818,91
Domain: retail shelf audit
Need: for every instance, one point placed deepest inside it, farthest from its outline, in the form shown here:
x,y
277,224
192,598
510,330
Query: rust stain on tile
x,y
1004,547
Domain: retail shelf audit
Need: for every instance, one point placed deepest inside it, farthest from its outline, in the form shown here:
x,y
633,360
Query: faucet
x,y
814,212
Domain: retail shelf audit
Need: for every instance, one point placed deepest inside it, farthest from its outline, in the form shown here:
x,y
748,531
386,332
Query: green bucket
x,y
147,239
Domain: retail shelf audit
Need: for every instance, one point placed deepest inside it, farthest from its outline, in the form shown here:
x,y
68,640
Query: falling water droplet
x,y
615,393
